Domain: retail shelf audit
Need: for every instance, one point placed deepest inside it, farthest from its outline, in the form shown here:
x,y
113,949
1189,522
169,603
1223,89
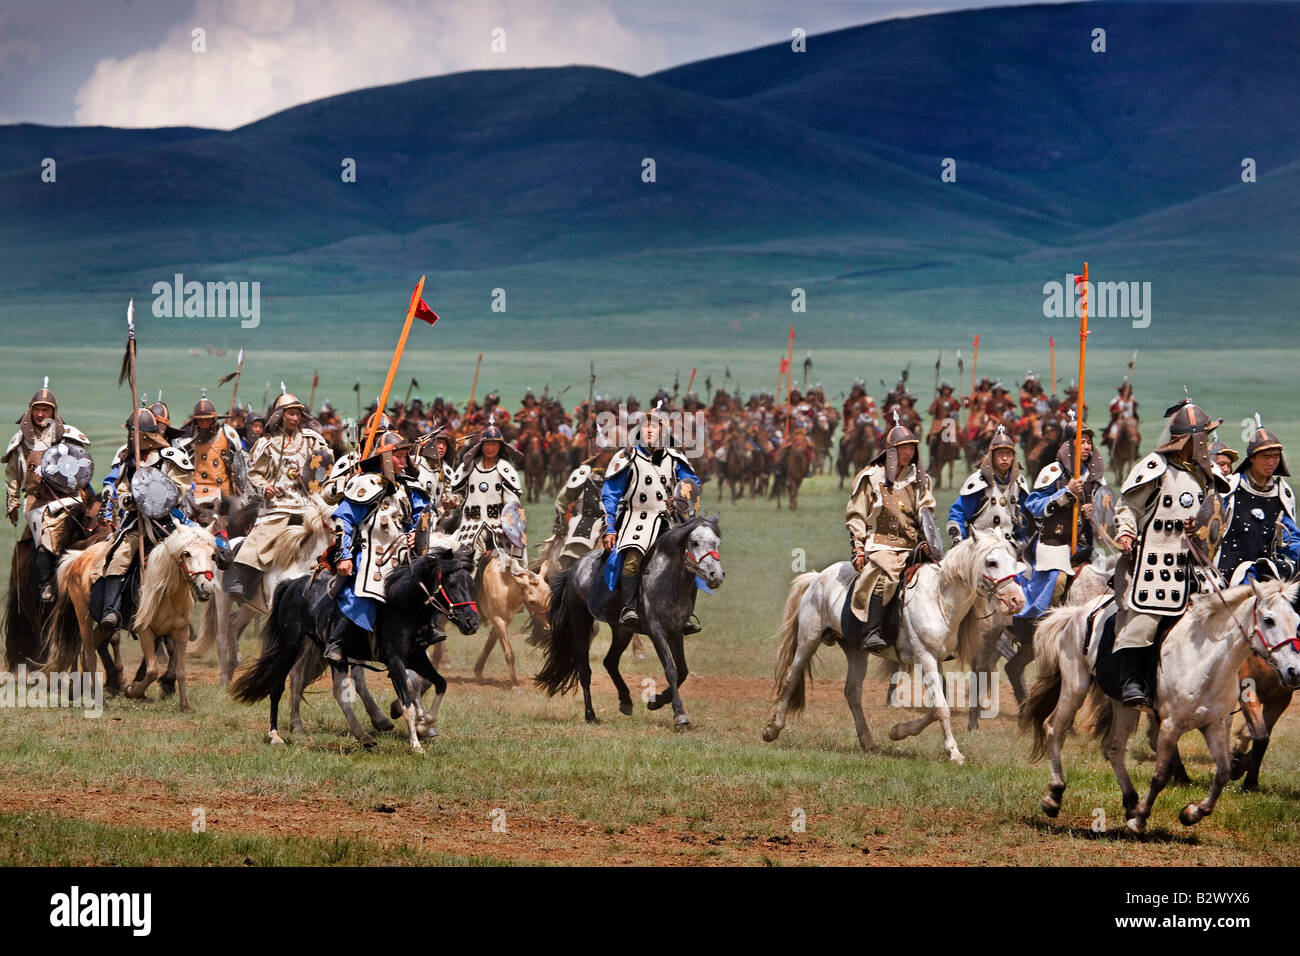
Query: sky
x,y
134,62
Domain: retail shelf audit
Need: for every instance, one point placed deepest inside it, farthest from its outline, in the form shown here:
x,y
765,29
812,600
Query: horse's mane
x,y
955,568
287,548
1203,606
403,586
163,575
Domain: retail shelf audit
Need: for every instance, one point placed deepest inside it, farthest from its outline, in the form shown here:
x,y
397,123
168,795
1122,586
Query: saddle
x,y
1105,668
891,614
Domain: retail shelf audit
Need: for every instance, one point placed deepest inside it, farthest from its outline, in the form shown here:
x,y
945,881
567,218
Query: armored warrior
x,y
279,465
1224,457
487,482
374,532
1260,537
220,469
1159,498
579,512
1051,503
640,484
885,523
167,473
51,500
993,499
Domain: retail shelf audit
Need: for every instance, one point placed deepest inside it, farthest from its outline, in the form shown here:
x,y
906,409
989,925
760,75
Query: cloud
x,y
264,57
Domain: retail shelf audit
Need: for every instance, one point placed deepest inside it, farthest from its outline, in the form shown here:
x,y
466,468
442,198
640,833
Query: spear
x,y
690,382
1131,362
708,387
128,367
807,369
357,388
311,401
473,389
1078,403
961,373
591,388
1051,345
239,370
414,385
938,363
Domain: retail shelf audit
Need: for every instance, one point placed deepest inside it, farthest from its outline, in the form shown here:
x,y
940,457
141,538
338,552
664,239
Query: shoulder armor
x,y
75,434
183,442
13,443
1024,485
680,455
177,456
508,475
363,488
579,476
1048,476
1234,480
1285,493
316,437
262,442
343,465
973,484
870,471
1148,469
232,436
620,461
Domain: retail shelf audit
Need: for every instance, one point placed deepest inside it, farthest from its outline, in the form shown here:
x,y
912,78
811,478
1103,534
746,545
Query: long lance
x,y
961,372
135,418
1078,417
690,382
239,370
807,369
311,402
414,385
392,368
677,384
789,378
473,389
591,388
357,388
1051,347
938,364
1131,363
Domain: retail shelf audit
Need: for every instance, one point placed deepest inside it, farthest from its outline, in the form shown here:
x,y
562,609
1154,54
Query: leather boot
x,y
873,638
112,588
334,646
692,626
44,565
628,618
242,581
1133,679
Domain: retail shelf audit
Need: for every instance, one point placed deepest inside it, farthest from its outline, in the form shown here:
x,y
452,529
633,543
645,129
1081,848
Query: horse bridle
x,y
1294,640
693,563
431,598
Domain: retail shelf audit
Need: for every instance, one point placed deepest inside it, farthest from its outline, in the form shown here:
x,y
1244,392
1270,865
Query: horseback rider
x,y
374,532
1051,503
488,481
579,513
1158,499
1122,405
1260,537
993,498
220,469
1224,457
290,446
884,521
640,482
47,508
156,452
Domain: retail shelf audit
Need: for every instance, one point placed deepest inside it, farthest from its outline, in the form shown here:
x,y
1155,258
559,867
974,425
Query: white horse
x,y
1196,686
944,611
293,555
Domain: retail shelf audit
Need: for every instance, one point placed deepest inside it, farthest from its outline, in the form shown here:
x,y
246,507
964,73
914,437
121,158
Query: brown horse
x,y
796,469
823,432
857,447
1263,700
1124,446
945,449
558,462
533,446
736,464
177,572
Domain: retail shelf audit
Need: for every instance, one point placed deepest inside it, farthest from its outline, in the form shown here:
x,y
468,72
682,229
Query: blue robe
x,y
364,611
611,493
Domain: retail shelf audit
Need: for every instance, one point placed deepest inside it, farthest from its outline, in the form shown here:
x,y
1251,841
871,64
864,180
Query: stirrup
x,y
692,626
334,652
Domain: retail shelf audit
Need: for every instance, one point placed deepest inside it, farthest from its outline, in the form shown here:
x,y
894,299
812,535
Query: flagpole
x,y
311,402
473,389
1051,346
135,420
789,379
239,370
392,369
1078,403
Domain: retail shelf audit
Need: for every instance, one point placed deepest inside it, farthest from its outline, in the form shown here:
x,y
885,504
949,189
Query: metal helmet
x,y
161,413
145,419
895,438
286,401
204,408
1263,440
1218,448
1189,429
44,396
1002,440
381,455
945,387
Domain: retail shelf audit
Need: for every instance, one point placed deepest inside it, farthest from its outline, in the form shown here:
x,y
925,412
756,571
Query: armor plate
x,y
1161,564
155,494
646,499
68,467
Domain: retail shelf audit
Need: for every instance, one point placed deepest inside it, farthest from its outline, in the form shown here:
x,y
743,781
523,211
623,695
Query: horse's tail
x,y
539,631
789,637
568,643
281,641
21,641
207,627
62,636
1046,692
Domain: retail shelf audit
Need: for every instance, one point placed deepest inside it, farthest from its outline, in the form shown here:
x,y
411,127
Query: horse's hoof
x,y
593,719
896,734
1250,786
274,739
416,747
369,743
166,690
625,708
957,758
1190,815
187,708
383,725
1134,826
771,732
395,710
1051,806
655,702
872,748
295,728
681,722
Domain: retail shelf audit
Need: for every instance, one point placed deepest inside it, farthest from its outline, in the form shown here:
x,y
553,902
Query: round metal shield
x,y
155,494
317,470
67,467
1205,531
514,523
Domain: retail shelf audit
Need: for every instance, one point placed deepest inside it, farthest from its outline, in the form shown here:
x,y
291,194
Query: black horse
x,y
440,582
664,602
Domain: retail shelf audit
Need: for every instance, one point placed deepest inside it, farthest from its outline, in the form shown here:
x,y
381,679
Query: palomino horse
x,y
1124,447
1263,699
663,603
504,593
944,609
178,571
293,554
1196,686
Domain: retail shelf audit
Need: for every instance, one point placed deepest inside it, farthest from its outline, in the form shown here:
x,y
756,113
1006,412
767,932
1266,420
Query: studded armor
x,y
1158,501
647,496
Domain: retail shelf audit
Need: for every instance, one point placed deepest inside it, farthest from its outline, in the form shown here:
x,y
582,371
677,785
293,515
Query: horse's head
x,y
537,595
1274,634
451,586
196,552
702,543
993,569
